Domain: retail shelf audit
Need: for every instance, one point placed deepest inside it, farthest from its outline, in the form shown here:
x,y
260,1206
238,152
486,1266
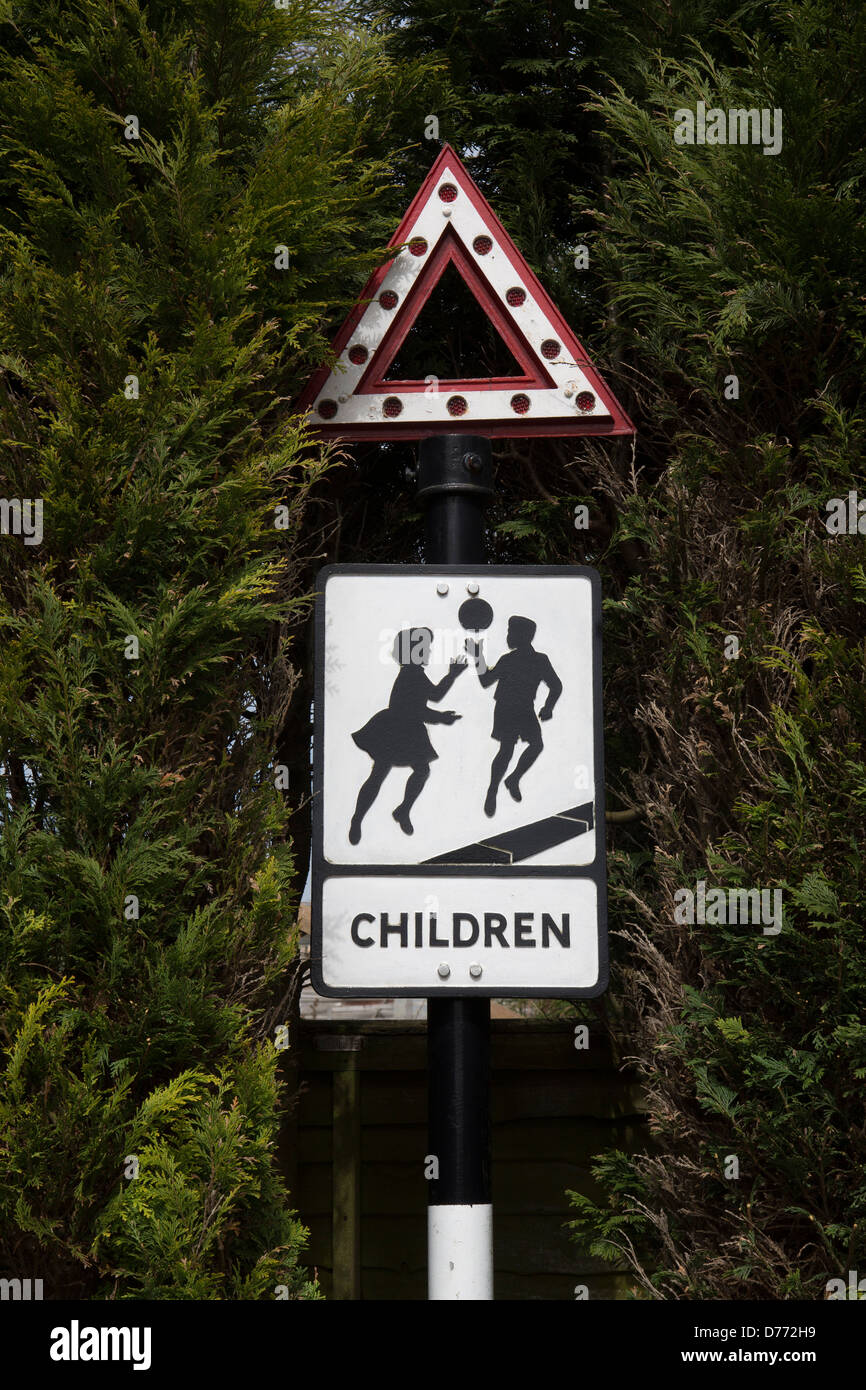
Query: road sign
x,y
450,223
458,782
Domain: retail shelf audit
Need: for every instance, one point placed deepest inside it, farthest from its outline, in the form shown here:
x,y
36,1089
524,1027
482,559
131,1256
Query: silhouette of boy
x,y
517,676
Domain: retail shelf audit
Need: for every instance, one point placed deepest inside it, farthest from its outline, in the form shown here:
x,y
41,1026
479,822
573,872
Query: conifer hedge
x,y
706,263
186,196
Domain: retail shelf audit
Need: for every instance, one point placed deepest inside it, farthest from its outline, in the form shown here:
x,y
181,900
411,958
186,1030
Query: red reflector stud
x,y
550,348
388,299
358,354
448,192
516,296
418,246
457,405
481,245
392,406
520,403
585,400
327,409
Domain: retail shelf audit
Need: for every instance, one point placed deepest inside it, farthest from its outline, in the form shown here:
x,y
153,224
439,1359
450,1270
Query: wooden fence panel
x,y
355,1139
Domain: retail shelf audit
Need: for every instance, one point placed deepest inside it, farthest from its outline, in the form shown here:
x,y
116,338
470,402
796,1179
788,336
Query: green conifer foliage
x,y
737,281
186,205
710,263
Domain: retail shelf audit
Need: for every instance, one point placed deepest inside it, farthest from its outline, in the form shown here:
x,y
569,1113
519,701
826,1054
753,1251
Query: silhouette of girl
x,y
396,736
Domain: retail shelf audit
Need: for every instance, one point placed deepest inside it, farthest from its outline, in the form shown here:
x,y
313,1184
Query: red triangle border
x,y
450,250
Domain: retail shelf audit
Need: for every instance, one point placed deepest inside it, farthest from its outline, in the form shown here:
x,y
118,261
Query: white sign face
x,y
408,933
458,827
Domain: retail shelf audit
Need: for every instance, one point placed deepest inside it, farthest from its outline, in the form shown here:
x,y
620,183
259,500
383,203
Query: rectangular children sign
x,y
458,843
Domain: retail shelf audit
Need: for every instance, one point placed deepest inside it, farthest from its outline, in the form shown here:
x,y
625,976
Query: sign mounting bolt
x,y
472,588
475,972
444,971
441,589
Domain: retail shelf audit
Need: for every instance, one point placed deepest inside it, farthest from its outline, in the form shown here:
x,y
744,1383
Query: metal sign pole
x,y
537,873
455,481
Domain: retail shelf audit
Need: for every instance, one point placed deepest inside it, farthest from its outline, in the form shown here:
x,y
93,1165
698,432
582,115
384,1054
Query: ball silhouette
x,y
475,615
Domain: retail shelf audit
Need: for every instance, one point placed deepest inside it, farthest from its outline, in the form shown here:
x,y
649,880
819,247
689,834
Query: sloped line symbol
x,y
512,846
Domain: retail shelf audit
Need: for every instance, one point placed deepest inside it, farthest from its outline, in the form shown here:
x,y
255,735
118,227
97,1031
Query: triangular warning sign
x,y
449,222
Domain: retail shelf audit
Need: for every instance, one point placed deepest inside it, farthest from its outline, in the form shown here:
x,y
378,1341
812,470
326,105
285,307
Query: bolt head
x,y
475,971
442,588
472,588
444,971
472,462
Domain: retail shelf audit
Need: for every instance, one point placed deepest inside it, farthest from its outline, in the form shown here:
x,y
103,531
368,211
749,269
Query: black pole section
x,y
455,481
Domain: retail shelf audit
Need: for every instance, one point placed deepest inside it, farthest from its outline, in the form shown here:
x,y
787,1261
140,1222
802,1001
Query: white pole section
x,y
460,1253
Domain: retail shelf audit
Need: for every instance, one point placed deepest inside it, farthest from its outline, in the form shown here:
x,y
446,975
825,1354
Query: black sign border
x,y
323,869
